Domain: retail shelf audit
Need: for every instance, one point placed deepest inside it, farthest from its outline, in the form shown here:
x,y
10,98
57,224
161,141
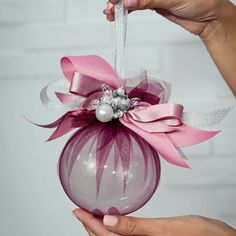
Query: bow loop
x,y
170,114
84,71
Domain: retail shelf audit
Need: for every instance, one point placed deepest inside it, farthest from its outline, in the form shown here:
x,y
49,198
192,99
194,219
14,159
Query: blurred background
x,y
34,35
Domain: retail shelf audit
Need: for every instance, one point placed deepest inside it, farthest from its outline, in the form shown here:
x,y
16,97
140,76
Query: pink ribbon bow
x,y
158,123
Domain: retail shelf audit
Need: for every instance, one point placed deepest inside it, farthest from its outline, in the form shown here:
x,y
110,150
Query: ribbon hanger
x,y
121,17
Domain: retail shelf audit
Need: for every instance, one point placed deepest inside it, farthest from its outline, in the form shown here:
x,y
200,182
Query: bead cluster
x,y
113,104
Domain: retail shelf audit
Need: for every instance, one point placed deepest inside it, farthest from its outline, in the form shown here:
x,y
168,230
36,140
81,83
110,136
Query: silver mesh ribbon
x,y
205,119
121,16
49,99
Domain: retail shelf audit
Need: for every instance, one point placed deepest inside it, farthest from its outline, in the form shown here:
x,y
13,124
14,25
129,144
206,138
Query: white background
x,y
33,37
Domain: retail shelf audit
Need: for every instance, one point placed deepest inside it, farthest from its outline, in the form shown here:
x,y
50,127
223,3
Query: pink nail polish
x,y
110,221
131,3
73,213
106,11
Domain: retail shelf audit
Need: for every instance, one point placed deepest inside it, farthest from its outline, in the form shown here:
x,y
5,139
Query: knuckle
x,y
110,234
146,4
130,225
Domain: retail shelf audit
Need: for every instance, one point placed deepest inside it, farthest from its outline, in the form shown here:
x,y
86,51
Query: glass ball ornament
x,y
108,169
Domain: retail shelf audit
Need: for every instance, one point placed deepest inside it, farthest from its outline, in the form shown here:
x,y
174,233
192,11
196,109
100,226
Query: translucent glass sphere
x,y
108,169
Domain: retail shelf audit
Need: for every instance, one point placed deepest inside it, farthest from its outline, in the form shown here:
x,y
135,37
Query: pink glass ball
x,y
108,169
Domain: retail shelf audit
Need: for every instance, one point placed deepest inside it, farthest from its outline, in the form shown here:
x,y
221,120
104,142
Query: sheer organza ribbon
x,y
157,122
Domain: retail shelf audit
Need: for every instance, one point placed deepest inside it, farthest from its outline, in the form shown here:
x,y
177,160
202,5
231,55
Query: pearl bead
x,y
118,99
118,114
104,113
120,92
106,99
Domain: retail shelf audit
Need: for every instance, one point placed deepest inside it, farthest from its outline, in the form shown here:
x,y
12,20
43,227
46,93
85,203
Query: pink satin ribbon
x,y
160,125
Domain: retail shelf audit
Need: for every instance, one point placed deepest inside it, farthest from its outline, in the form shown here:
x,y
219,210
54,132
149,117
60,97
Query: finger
x,y
111,15
106,11
111,18
113,1
125,225
151,4
107,8
88,230
109,11
92,223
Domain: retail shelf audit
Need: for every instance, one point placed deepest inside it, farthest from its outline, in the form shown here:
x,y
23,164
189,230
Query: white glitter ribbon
x,y
49,99
205,119
121,17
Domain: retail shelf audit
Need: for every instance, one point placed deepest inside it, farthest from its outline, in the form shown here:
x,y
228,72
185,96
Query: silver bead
x,y
134,102
124,104
105,87
114,93
104,113
120,92
95,103
108,93
114,102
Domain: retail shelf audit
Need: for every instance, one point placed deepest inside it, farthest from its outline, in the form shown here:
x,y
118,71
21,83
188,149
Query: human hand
x,y
198,17
172,226
213,20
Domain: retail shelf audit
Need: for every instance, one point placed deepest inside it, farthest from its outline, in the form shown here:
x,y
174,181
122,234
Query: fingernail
x,y
106,7
110,220
109,5
73,214
131,3
106,11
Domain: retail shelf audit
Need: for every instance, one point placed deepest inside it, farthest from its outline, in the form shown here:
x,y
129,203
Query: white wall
x,y
33,37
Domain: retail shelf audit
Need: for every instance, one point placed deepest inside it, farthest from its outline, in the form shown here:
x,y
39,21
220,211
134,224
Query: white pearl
x,y
104,113
118,114
120,92
106,99
117,99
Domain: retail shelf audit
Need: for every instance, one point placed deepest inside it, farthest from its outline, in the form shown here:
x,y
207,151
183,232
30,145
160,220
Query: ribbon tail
x,y
55,96
160,142
63,128
50,125
205,119
63,125
187,136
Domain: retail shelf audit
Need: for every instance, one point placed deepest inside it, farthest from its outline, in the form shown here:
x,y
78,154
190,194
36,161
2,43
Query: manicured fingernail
x,y
106,11
107,7
131,3
73,213
110,221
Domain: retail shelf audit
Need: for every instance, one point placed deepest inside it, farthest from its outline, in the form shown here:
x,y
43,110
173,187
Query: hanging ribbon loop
x,y
121,17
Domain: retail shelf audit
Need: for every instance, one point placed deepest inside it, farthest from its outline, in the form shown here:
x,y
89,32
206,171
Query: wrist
x,y
222,28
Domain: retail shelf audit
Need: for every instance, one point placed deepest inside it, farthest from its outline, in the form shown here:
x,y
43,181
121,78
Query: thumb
x,y
151,4
126,225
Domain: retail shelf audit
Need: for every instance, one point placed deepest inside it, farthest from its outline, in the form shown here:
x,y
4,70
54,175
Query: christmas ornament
x,y
111,165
